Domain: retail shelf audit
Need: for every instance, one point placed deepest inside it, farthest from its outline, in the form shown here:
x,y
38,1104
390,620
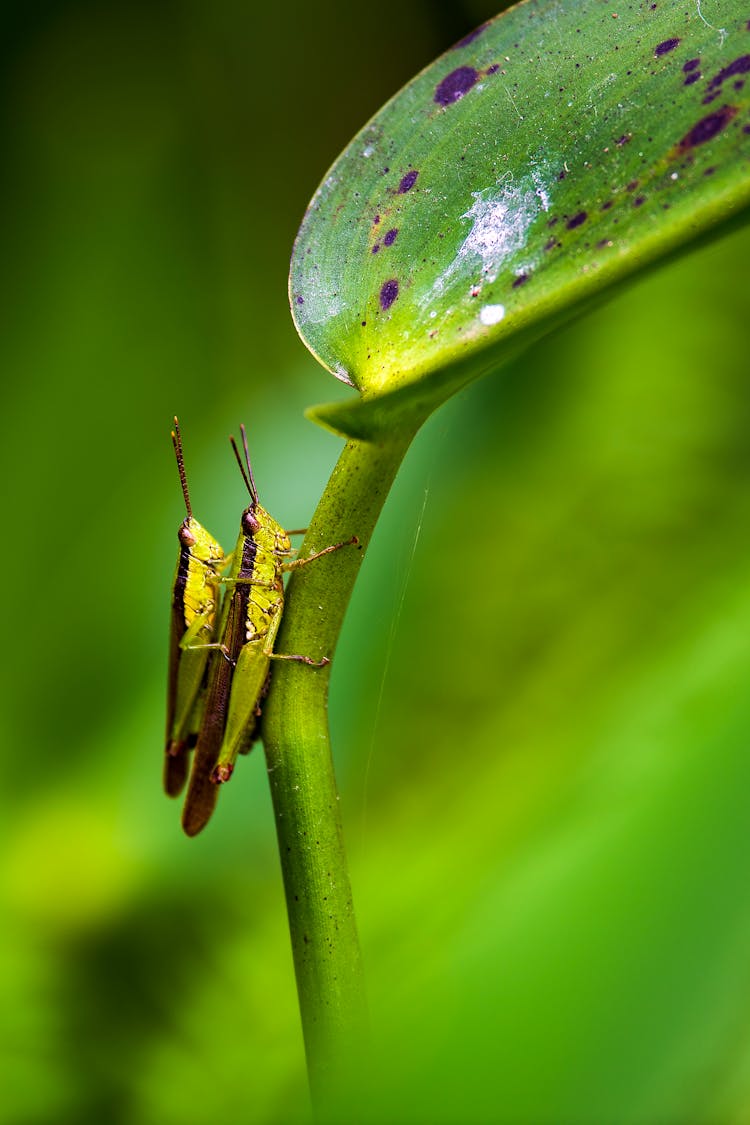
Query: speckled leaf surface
x,y
553,152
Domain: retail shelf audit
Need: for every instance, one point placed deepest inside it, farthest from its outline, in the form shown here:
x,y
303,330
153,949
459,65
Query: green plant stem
x,y
325,944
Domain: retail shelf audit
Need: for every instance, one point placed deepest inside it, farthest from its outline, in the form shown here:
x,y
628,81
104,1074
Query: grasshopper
x,y
195,600
239,666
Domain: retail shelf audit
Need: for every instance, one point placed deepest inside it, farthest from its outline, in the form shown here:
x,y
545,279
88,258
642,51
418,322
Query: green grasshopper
x,y
195,600
240,665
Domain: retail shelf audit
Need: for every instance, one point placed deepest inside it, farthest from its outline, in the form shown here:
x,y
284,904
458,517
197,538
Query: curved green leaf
x,y
550,154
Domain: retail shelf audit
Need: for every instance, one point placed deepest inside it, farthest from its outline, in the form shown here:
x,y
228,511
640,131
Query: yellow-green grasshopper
x,y
195,601
240,665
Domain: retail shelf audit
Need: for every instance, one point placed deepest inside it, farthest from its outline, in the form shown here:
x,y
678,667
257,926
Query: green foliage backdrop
x,y
540,701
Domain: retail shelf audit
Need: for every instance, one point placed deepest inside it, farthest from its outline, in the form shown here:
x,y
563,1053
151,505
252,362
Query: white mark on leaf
x,y
492,314
512,102
540,188
721,30
500,218
499,227
342,374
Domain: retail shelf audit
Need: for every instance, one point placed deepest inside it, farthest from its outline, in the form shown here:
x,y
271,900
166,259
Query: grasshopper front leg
x,y
293,564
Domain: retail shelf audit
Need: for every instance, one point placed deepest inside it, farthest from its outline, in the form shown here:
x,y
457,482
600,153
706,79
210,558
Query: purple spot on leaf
x,y
390,236
639,200
493,69
691,78
666,46
623,140
577,220
520,280
691,64
388,293
375,248
408,182
707,128
455,85
300,300
470,37
739,66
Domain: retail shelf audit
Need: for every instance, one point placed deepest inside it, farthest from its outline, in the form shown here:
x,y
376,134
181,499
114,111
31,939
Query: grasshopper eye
x,y
185,535
249,522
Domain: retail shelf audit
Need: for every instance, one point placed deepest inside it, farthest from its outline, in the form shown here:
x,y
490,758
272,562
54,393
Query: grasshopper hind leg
x,y
175,769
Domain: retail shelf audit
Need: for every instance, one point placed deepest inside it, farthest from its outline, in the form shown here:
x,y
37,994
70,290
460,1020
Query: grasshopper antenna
x,y
247,472
254,490
177,443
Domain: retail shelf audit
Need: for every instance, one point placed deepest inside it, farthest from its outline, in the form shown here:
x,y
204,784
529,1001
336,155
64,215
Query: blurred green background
x,y
540,701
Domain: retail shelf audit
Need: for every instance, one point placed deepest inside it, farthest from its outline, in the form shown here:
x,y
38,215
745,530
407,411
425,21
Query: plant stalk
x,y
325,944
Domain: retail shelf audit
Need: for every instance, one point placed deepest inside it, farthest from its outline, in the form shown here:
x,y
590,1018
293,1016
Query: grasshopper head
x,y
249,522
